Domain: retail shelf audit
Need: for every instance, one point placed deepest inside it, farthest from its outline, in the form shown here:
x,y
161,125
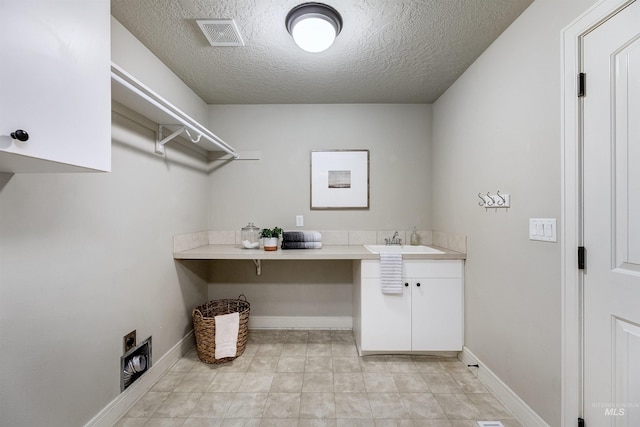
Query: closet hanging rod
x,y
132,84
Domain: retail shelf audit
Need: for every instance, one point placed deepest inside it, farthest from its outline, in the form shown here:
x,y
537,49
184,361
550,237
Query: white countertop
x,y
335,252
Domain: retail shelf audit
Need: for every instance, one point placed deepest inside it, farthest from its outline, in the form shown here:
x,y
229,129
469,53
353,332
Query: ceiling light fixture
x,y
314,26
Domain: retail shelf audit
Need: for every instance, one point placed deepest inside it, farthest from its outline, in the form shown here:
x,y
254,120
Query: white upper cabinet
x,y
55,84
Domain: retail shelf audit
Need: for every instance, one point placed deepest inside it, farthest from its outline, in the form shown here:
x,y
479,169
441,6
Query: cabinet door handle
x,y
406,284
20,135
418,284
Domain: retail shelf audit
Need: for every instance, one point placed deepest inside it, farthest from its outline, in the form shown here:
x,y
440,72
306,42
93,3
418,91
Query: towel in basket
x,y
204,326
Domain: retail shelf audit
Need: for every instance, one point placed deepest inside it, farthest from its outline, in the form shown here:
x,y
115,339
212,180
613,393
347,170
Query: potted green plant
x,y
270,238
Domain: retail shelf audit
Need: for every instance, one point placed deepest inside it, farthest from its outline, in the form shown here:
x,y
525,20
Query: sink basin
x,y
405,249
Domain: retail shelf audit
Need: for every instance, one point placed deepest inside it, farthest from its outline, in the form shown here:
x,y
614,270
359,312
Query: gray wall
x,y
498,128
130,54
76,250
84,259
286,288
273,190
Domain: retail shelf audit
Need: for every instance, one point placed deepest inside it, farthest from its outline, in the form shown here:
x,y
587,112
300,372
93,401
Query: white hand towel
x,y
391,272
227,326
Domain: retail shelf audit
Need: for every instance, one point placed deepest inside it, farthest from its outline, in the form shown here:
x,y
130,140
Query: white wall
x,y
498,128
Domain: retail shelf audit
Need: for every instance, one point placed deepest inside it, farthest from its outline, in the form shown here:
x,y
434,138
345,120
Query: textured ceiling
x,y
388,51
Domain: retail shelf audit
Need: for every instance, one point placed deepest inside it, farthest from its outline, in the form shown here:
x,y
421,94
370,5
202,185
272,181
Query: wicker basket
x,y
204,326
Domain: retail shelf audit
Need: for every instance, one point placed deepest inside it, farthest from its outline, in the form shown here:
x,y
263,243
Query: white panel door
x,y
386,318
611,212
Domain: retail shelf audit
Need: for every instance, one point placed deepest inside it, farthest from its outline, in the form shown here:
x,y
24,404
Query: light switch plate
x,y
299,220
543,229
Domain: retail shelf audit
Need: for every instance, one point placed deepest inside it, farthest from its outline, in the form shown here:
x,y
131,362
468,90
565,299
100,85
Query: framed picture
x,y
340,179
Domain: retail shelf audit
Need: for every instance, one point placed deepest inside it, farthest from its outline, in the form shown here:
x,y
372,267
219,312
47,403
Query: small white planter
x,y
270,243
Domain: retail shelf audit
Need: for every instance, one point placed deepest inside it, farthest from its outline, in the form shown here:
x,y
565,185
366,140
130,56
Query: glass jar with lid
x,y
250,237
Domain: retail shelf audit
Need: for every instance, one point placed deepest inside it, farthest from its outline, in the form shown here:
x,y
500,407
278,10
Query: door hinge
x,y
581,257
582,85
580,422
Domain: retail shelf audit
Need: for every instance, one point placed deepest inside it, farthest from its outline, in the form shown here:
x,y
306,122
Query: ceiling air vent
x,y
221,32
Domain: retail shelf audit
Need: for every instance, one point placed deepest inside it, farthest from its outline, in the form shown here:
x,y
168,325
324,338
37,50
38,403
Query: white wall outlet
x,y
543,229
299,220
129,341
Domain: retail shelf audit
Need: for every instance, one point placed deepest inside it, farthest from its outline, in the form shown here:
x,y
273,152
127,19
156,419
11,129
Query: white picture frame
x,y
340,179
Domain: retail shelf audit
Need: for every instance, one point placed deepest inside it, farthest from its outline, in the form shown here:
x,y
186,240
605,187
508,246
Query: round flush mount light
x,y
314,26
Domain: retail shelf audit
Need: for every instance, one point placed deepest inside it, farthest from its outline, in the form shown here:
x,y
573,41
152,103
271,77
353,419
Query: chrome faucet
x,y
393,240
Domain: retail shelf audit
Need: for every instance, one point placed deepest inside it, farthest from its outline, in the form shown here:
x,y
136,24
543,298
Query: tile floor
x,y
315,378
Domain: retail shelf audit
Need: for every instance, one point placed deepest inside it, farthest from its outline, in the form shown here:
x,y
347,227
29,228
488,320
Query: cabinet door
x,y
436,314
55,84
386,318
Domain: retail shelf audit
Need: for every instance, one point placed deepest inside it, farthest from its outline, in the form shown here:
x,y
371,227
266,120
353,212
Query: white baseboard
x,y
520,410
302,322
125,400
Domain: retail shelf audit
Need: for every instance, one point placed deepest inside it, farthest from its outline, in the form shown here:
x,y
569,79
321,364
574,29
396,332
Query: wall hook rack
x,y
494,200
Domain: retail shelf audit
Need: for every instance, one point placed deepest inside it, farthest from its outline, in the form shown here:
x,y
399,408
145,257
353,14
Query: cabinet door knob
x,y
418,284
406,284
20,135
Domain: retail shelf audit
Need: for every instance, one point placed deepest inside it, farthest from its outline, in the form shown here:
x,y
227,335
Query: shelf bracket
x,y
160,141
258,263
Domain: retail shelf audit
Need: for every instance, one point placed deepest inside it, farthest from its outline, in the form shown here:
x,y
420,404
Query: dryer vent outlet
x,y
134,363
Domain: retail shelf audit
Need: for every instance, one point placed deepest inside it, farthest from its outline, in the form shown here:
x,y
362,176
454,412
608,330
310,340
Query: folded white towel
x,y
227,326
391,272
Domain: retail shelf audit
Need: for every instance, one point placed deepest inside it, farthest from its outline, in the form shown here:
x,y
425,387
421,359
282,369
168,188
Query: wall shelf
x,y
130,92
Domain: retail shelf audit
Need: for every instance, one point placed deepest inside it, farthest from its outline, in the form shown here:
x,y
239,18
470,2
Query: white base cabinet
x,y
426,317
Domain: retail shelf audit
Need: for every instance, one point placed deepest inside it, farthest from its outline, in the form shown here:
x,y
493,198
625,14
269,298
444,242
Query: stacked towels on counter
x,y
301,240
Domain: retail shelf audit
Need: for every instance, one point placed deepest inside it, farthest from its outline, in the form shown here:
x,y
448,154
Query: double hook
x,y
194,140
489,200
